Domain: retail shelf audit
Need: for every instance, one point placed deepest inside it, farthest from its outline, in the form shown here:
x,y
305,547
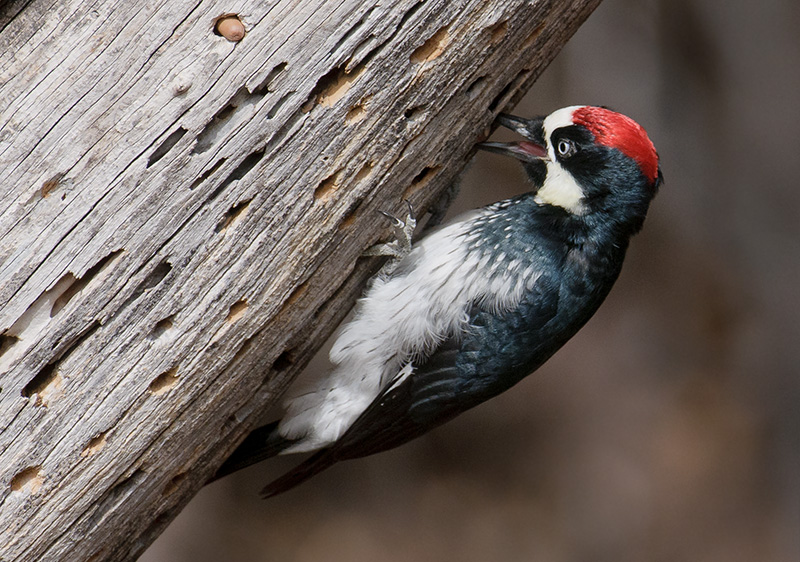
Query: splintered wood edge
x,y
186,214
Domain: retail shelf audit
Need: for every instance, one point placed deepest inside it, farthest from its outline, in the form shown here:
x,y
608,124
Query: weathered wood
x,y
182,217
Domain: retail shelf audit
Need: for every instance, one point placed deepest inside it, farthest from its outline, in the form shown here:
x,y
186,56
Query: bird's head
x,y
586,160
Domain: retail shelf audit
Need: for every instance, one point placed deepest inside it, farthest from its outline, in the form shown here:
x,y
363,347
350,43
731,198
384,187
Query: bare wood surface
x,y
182,217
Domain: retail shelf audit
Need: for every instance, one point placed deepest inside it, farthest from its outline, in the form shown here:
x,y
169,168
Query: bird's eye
x,y
566,148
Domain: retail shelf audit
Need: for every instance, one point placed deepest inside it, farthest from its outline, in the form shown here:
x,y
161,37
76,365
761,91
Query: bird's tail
x,y
262,443
312,465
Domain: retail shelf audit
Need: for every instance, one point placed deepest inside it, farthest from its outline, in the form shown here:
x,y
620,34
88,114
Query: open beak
x,y
526,150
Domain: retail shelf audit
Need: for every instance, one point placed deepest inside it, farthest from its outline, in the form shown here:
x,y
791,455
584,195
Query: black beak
x,y
517,124
527,150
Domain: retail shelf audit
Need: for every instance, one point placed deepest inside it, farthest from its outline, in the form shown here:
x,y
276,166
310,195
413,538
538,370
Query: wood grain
x,y
182,218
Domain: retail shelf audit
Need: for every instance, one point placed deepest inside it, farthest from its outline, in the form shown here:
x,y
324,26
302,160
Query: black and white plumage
x,y
480,303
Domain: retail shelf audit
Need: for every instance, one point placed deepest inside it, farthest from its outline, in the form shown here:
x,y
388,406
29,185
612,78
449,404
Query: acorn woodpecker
x,y
477,305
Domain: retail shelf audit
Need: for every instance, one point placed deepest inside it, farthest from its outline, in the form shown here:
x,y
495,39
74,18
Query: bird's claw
x,y
403,233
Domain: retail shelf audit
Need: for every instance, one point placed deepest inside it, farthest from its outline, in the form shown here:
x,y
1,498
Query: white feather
x,y
560,187
400,319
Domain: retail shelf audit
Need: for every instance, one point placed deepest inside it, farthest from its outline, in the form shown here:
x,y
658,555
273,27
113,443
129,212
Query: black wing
x,y
497,351
261,444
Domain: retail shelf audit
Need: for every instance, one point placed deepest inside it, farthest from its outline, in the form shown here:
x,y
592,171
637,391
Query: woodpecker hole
x,y
173,484
339,86
239,108
7,341
497,32
128,483
328,187
295,296
356,114
76,285
350,216
152,280
348,220
364,172
230,27
63,347
432,48
298,292
94,445
239,171
207,174
332,87
415,113
167,145
45,385
236,311
499,98
213,129
409,14
283,361
162,327
531,39
50,185
163,382
233,215
52,301
510,89
350,33
28,480
268,82
279,104
156,276
475,88
420,180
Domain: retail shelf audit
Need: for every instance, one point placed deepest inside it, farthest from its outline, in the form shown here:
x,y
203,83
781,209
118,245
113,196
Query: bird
x,y
477,304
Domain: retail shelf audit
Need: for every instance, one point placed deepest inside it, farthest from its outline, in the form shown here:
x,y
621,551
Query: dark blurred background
x,y
669,428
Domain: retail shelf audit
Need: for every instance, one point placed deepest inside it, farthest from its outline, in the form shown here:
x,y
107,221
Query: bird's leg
x,y
403,232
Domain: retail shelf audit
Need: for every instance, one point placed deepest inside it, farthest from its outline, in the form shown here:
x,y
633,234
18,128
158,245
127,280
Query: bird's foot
x,y
403,232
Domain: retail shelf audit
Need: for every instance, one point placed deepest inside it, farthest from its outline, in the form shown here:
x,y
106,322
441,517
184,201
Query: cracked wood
x,y
182,219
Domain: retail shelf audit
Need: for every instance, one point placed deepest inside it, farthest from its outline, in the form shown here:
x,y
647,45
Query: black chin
x,y
536,171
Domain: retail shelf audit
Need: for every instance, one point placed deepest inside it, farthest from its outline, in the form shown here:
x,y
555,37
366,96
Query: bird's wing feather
x,y
262,443
461,373
458,375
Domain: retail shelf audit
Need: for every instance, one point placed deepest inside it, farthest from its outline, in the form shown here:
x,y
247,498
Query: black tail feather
x,y
299,474
262,443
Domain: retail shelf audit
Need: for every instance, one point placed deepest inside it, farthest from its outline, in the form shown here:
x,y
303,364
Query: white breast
x,y
401,318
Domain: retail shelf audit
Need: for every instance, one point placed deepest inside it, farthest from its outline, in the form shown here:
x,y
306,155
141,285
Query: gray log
x,y
182,218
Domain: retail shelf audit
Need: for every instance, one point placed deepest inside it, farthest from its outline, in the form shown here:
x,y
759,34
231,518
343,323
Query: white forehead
x,y
560,188
559,118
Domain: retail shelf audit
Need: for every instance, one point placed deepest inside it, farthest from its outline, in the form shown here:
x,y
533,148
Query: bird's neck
x,y
593,242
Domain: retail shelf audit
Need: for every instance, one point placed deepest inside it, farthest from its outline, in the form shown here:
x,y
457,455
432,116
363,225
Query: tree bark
x,y
182,218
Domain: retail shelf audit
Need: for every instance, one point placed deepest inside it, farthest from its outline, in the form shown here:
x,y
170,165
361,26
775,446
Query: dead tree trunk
x,y
182,217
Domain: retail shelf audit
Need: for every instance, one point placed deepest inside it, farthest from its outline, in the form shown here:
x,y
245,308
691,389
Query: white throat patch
x,y
560,189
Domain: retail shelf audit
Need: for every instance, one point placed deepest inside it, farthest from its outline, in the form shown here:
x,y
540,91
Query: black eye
x,y
566,148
